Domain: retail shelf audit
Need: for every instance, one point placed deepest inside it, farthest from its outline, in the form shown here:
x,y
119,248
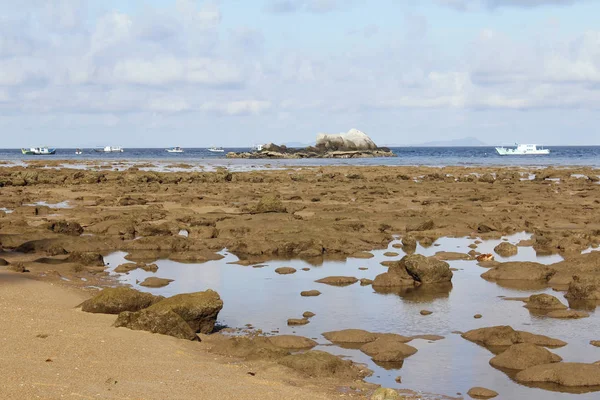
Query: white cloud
x,y
241,107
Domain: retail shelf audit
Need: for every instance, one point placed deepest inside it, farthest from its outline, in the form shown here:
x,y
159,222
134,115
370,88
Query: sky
x,y
233,73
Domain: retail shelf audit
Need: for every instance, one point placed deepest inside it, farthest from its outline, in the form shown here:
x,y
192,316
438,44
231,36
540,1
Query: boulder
x,y
563,374
420,226
154,282
506,249
310,293
351,141
426,269
395,277
297,321
338,280
507,336
65,228
522,271
584,287
350,336
388,349
481,392
255,348
165,322
292,342
409,244
544,302
451,256
118,300
308,314
285,270
199,310
320,364
522,356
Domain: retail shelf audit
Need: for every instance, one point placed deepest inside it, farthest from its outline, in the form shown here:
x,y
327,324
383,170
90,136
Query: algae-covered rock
x,y
165,322
117,300
524,355
270,203
320,364
427,269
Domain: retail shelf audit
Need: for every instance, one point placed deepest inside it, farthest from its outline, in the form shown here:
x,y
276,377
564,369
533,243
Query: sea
x,y
560,156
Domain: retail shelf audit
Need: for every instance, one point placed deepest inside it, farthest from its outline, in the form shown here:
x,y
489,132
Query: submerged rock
x,y
507,336
320,364
256,348
165,322
310,293
584,287
564,374
199,309
544,302
567,314
388,349
524,355
522,271
308,314
285,270
338,280
297,321
118,300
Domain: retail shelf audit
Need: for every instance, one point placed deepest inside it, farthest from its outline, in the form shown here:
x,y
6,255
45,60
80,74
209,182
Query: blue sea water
x,y
429,156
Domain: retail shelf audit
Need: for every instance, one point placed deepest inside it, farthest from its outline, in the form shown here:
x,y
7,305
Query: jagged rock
x,y
421,226
524,355
165,322
117,300
270,203
199,309
427,269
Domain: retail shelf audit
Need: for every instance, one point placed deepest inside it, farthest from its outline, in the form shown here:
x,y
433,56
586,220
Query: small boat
x,y
175,149
78,151
257,147
522,150
38,151
216,150
109,149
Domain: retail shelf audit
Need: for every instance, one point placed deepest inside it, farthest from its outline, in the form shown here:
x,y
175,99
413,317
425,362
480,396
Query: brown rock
x,y
450,256
564,374
3,262
480,392
584,287
199,309
65,228
522,356
522,271
285,270
320,364
507,336
350,336
477,316
567,314
308,314
544,302
426,312
154,282
270,203
427,269
391,254
165,322
86,258
338,280
118,300
365,282
421,226
297,321
310,293
292,342
388,349
506,249
595,343
362,255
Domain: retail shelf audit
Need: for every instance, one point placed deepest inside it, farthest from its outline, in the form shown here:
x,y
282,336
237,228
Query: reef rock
x,y
544,302
507,336
564,374
524,355
165,322
117,300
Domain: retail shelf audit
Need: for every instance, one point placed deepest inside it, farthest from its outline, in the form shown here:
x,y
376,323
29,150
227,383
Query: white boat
x,y
38,151
175,149
216,150
257,147
522,150
78,151
110,149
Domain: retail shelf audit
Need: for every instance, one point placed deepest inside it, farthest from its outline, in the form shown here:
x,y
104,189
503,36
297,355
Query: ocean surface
x,y
429,156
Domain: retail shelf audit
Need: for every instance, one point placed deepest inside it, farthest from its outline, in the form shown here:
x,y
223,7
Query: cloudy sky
x,y
194,73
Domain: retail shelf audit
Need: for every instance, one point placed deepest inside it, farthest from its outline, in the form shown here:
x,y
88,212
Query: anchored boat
x,y
38,151
109,149
175,149
522,150
216,150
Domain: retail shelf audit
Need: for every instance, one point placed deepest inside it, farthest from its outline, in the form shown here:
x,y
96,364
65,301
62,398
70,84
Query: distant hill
x,y
463,142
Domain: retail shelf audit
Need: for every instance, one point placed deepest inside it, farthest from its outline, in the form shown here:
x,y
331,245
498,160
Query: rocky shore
x,y
315,214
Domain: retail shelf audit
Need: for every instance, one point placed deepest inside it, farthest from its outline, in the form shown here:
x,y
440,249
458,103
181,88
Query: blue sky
x,y
78,73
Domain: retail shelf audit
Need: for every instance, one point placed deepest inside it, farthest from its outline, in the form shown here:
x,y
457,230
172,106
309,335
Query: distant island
x,y
463,142
353,144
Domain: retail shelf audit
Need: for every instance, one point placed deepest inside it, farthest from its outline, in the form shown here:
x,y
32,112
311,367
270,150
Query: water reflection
x,y
260,297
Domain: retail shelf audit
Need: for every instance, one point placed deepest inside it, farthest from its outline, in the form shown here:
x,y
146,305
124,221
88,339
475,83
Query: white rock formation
x,y
353,140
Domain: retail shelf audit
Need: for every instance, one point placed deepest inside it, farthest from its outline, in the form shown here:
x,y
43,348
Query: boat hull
x,y
36,153
512,152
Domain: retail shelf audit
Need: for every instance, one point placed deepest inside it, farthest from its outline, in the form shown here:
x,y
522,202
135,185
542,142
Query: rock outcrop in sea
x,y
353,144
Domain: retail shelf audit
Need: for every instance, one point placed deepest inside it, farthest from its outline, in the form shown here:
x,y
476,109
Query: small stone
x,y
308,314
365,282
399,379
481,393
477,316
595,343
285,270
297,321
310,293
426,312
391,254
